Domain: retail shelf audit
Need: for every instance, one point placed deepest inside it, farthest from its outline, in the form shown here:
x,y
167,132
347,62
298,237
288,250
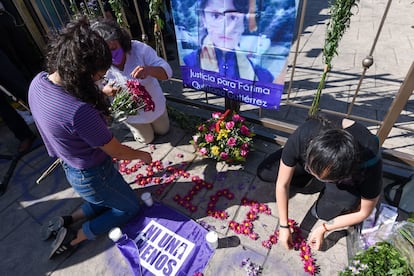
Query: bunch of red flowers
x,y
140,95
130,99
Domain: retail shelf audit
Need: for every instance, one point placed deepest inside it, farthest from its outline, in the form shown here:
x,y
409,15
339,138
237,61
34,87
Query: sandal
x,y
53,226
62,242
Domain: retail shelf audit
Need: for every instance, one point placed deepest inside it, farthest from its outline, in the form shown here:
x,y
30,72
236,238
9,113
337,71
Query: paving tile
x,y
99,257
227,261
23,253
281,261
26,205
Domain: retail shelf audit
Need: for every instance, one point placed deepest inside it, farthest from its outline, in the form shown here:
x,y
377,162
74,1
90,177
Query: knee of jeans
x,y
133,212
134,209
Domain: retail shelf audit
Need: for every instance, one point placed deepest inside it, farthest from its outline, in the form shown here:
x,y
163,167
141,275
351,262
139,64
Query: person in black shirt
x,y
12,80
341,154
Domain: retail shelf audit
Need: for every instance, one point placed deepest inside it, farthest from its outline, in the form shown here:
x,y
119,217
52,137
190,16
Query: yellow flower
x,y
223,133
215,150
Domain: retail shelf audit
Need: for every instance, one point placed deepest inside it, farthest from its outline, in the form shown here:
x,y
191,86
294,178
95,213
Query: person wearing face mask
x,y
134,59
70,113
223,23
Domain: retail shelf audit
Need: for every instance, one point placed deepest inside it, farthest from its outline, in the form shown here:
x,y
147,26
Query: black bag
x,y
400,193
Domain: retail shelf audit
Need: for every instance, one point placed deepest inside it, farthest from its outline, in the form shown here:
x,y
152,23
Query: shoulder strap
x,y
371,162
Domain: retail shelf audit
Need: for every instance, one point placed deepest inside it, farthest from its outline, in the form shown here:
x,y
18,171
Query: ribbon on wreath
x,y
221,119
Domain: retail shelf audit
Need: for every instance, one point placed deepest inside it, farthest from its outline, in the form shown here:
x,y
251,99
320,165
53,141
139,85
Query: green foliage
x,y
116,6
90,9
403,240
341,13
379,259
156,7
183,120
123,105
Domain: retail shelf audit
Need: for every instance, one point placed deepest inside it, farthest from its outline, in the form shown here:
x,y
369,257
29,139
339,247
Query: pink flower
x,y
209,137
245,146
232,224
216,115
231,142
267,244
230,125
248,224
203,151
253,236
245,130
212,127
201,128
251,216
244,152
224,155
236,117
195,138
273,239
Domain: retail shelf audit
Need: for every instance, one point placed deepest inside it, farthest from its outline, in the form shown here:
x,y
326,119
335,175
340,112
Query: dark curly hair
x,y
77,53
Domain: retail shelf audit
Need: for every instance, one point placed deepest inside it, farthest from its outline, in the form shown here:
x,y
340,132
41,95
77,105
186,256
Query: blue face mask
x,y
117,56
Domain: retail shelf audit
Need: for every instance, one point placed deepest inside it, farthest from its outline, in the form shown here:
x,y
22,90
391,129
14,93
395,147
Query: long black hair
x,y
77,53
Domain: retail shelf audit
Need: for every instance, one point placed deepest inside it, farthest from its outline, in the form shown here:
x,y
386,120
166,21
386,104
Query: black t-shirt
x,y
367,179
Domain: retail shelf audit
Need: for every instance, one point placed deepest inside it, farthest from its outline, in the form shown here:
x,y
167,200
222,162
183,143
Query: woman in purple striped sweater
x,y
70,112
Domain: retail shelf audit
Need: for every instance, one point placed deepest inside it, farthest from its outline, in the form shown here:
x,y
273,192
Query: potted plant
x,y
394,256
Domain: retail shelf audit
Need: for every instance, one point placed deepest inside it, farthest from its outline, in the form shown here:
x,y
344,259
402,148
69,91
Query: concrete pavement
x,y
25,206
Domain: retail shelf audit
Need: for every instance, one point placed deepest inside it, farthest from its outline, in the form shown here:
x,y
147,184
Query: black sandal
x,y
53,226
62,242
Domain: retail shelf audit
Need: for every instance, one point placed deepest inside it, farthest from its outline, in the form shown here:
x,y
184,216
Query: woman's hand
x,y
123,152
316,237
285,238
146,157
141,72
110,90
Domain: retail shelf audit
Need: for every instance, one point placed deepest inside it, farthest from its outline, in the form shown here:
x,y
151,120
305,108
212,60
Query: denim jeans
x,y
109,201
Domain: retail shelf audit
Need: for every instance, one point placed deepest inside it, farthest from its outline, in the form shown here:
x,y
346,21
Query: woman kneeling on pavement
x,y
344,157
70,112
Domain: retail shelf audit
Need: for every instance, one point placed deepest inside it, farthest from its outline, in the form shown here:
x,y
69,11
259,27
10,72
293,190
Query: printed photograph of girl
x,y
238,39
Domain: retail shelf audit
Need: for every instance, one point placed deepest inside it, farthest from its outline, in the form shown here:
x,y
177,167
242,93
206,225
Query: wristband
x,y
324,227
284,226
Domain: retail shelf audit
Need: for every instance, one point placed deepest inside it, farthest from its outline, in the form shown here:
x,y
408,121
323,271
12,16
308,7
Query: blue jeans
x,y
109,201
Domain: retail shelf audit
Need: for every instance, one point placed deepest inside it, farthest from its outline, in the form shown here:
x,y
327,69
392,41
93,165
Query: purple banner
x,y
167,243
235,48
265,95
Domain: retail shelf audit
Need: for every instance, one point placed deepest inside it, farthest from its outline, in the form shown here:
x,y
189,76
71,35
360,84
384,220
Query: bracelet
x,y
324,227
284,226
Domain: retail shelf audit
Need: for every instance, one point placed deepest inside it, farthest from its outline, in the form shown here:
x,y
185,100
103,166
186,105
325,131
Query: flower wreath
x,y
224,137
